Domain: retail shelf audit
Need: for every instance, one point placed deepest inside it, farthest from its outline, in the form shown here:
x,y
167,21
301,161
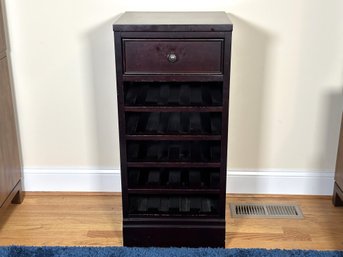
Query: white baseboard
x,y
240,182
280,182
72,180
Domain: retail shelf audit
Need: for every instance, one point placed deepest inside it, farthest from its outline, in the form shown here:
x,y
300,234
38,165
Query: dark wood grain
x,y
337,198
172,191
172,78
176,236
150,56
202,45
173,109
175,164
121,120
225,122
173,137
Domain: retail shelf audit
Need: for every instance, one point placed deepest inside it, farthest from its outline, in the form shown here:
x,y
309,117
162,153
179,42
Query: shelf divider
x,y
173,191
173,108
174,137
174,164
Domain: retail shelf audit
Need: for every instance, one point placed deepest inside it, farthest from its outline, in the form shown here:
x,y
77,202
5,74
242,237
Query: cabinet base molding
x,y
15,197
176,236
337,198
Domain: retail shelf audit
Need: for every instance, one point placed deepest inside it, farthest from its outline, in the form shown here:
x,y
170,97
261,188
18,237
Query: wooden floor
x,y
88,219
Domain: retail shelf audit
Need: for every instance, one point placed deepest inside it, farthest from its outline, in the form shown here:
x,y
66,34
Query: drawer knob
x,y
172,57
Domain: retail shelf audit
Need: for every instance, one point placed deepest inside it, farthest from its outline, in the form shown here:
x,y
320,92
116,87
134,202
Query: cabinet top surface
x,y
173,21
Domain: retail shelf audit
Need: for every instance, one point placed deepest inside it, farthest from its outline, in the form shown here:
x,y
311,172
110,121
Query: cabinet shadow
x,y
248,94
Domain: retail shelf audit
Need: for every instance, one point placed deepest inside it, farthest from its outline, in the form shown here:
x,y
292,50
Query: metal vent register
x,y
255,210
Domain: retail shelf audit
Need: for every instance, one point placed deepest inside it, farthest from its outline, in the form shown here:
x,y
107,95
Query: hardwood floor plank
x,y
95,220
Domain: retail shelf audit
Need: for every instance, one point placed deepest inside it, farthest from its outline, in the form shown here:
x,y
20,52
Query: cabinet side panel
x,y
121,119
2,29
10,168
225,121
339,162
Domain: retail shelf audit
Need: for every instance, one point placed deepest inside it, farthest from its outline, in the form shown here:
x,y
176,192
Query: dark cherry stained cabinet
x,y
338,187
173,72
10,160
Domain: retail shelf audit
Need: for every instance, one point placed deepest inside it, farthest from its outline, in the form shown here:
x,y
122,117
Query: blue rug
x,y
18,251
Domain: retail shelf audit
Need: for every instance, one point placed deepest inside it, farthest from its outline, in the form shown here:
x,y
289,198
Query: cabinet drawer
x,y
149,56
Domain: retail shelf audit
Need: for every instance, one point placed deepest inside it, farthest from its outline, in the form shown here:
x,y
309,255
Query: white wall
x,y
286,86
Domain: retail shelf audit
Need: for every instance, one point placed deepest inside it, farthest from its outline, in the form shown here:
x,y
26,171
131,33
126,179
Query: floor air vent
x,y
253,210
